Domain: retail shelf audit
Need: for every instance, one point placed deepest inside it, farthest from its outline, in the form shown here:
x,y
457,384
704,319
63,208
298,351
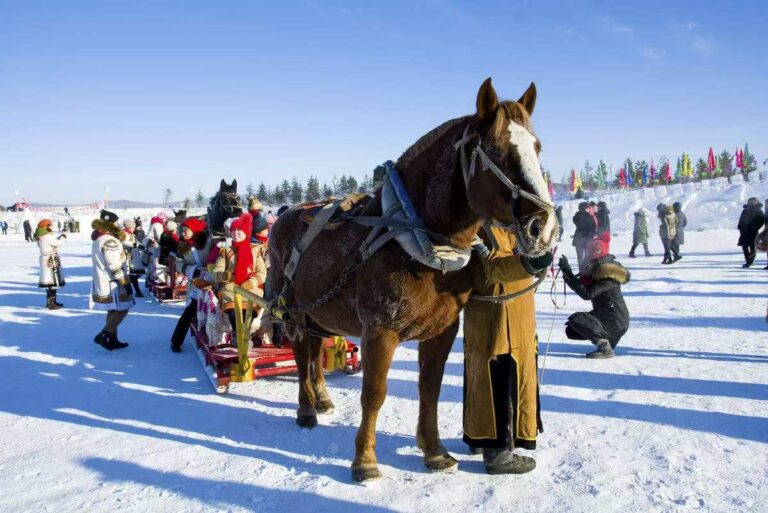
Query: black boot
x,y
677,257
109,341
51,303
136,288
505,461
604,350
176,348
632,254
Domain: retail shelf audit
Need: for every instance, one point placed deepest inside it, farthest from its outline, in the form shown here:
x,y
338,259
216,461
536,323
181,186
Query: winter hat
x,y
129,224
244,223
195,224
255,204
106,215
171,225
596,248
44,223
162,216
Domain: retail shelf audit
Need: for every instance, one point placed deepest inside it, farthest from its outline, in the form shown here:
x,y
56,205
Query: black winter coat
x,y
603,220
585,228
603,287
750,222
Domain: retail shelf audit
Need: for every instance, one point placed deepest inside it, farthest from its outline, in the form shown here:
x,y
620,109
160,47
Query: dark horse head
x,y
508,142
224,205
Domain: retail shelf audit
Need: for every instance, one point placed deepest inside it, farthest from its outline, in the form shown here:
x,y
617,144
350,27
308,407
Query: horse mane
x,y
426,140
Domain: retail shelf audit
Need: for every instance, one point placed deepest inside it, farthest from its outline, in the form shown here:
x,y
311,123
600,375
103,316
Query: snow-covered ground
x,y
678,421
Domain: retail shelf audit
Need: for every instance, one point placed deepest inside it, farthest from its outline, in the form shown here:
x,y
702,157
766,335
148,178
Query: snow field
x,y
678,421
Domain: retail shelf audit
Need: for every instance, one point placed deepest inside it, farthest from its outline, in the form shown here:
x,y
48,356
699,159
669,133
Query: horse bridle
x,y
468,169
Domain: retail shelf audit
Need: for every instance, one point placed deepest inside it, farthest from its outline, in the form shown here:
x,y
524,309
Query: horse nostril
x,y
535,229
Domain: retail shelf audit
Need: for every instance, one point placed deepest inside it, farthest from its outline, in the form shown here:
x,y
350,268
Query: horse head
x,y
514,193
224,205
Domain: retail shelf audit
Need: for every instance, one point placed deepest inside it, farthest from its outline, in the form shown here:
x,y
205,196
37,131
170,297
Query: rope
x,y
553,299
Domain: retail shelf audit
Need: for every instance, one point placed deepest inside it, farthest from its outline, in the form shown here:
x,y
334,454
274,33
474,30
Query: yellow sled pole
x,y
276,311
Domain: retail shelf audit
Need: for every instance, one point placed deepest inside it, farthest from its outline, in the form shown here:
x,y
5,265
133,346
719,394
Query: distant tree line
x,y
294,191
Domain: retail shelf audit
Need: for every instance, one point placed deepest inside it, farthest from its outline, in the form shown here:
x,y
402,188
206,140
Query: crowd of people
x,y
501,408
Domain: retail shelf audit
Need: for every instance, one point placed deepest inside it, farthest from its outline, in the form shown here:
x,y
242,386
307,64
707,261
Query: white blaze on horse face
x,y
525,142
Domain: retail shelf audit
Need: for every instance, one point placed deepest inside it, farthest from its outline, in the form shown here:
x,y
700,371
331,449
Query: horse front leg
x,y
323,402
306,415
433,354
378,347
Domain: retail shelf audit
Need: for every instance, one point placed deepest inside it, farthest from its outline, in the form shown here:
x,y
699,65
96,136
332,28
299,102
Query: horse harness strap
x,y
315,227
468,169
514,295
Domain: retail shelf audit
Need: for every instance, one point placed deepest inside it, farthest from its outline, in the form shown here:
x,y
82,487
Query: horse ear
x,y
222,185
234,185
487,100
528,99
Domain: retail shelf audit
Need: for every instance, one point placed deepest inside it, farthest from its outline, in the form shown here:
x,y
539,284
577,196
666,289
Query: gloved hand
x,y
534,265
141,247
564,265
128,288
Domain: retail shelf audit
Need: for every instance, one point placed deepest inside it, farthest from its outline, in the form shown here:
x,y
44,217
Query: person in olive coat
x,y
640,233
751,220
603,218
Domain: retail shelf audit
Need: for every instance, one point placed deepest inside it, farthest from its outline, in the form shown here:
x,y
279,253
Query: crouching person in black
x,y
600,281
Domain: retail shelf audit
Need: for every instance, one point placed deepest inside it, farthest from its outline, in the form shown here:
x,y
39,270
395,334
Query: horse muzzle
x,y
538,233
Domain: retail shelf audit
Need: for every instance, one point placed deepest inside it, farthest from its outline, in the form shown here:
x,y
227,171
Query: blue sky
x,y
138,96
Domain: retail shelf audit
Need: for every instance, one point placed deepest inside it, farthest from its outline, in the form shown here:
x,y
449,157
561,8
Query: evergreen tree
x,y
312,192
341,186
587,176
327,190
750,163
262,193
199,198
278,196
640,165
367,184
296,191
285,188
250,190
725,160
701,168
167,194
601,176
187,204
351,185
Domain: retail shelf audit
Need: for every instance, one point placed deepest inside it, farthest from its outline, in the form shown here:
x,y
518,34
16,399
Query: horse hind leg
x,y
433,354
306,415
323,402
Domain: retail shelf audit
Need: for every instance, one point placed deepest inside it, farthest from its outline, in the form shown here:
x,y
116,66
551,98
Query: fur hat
x,y
162,216
129,224
244,223
194,224
45,223
255,204
106,215
171,225
596,248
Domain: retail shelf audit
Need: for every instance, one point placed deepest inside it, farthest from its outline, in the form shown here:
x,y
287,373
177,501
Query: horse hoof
x,y
307,420
442,463
365,473
325,407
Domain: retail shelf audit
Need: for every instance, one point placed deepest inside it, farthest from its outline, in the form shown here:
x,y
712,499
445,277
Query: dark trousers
x,y
114,318
585,326
183,324
667,249
674,246
645,247
749,253
581,250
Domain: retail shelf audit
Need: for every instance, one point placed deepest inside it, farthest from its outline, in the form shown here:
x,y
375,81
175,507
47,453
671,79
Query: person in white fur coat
x,y
111,288
51,275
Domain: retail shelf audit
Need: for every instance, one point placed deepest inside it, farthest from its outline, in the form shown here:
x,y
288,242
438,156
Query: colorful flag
x,y
653,172
622,178
711,163
668,172
645,174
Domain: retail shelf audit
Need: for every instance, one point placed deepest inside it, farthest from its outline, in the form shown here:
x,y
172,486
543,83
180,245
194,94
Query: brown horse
x,y
392,298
